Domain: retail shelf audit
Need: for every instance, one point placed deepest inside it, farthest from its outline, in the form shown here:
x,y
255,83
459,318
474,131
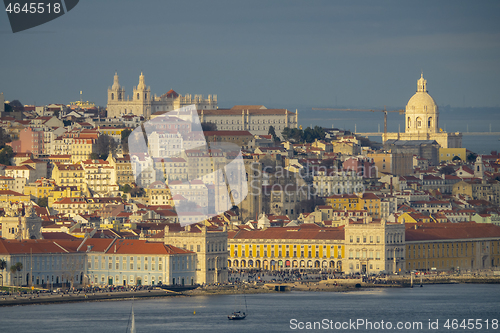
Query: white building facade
x,y
144,104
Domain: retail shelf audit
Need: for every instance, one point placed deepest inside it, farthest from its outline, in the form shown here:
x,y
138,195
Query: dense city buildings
x,y
147,192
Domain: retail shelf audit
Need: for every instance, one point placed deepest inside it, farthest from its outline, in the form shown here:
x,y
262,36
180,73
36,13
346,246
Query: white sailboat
x,y
238,314
132,322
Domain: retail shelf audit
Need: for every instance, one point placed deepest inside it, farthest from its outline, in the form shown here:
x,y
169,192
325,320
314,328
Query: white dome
x,y
421,111
419,101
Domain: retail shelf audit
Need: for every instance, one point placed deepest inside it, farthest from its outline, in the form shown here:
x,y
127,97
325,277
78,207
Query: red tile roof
x,y
35,246
305,231
450,231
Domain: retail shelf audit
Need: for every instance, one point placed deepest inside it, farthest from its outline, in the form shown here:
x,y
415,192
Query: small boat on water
x,y
237,315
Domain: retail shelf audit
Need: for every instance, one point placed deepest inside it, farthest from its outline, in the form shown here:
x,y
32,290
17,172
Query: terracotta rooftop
x,y
450,231
305,231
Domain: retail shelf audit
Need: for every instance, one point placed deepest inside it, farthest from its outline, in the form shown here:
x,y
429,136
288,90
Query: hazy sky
x,y
276,53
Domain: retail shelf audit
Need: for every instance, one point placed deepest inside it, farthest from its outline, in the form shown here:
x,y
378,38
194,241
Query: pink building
x,y
363,166
29,142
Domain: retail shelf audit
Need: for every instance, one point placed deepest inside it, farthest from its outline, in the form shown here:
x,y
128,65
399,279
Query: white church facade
x,y
144,104
422,121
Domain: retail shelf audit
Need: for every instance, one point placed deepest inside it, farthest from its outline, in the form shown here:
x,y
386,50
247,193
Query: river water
x,y
450,119
285,312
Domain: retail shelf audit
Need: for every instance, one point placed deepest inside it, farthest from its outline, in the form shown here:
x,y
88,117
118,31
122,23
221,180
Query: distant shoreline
x,y
322,286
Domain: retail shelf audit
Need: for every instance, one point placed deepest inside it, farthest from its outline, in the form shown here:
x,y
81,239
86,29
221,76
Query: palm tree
x,y
19,267
13,270
3,265
16,268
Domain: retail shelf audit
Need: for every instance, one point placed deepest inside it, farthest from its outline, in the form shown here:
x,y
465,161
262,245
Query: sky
x,y
277,53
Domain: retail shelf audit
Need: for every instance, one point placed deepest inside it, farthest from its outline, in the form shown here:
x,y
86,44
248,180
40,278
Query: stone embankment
x,y
329,285
29,299
446,279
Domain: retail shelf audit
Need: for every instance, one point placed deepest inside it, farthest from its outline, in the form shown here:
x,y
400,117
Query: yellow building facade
x,y
69,175
447,154
305,247
462,246
366,201
39,189
11,196
63,192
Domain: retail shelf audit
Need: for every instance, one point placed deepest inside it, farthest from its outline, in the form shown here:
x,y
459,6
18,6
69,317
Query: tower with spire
x,y
116,93
144,104
141,93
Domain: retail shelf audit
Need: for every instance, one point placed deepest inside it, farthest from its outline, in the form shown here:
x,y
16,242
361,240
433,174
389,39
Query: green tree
x,y
14,269
19,267
124,140
104,146
4,137
471,157
292,134
208,126
137,192
126,188
5,155
447,170
312,134
456,159
43,202
272,132
3,265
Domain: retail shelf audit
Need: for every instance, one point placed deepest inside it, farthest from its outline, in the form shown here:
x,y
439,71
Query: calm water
x,y
266,312
451,120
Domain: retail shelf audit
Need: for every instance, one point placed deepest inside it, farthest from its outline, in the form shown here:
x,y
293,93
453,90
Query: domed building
x,y
422,120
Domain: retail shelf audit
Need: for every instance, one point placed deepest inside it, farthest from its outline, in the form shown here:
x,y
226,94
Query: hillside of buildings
x,y
142,192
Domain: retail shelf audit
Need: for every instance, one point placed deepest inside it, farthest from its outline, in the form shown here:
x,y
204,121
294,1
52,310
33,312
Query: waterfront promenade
x,y
247,283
